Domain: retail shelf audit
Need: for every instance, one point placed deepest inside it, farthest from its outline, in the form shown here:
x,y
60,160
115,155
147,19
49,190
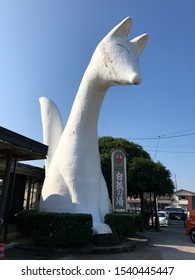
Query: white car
x,y
163,218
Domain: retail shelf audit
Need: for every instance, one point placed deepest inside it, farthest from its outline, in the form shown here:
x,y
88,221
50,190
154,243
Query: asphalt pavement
x,y
170,243
17,251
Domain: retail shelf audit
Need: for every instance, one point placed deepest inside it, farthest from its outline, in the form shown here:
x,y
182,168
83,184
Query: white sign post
x,y
119,182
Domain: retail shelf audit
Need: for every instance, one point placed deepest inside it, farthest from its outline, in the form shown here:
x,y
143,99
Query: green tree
x,y
162,183
143,174
109,144
140,176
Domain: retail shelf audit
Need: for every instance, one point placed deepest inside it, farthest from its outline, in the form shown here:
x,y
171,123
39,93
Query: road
x,y
168,244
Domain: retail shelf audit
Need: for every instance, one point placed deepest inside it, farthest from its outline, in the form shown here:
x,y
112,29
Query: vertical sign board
x,y
119,182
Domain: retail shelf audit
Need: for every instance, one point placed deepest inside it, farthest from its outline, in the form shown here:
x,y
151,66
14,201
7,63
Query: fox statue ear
x,y
140,42
122,29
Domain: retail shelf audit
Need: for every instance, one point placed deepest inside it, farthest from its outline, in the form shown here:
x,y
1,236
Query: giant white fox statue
x,y
74,182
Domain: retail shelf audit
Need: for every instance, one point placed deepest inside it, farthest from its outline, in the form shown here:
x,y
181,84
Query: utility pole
x,y
175,182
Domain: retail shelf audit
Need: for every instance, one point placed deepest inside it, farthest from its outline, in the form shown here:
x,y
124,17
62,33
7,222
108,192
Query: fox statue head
x,y
117,59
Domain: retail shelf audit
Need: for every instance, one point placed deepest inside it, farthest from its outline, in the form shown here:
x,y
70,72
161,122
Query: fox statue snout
x,y
136,79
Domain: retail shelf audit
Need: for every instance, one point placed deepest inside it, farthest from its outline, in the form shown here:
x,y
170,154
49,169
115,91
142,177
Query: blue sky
x,y
45,47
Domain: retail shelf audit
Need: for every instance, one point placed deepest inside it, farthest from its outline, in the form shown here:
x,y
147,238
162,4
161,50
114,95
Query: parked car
x,y
173,209
190,224
177,218
163,218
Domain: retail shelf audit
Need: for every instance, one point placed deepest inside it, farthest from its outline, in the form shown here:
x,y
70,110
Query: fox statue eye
x,y
124,47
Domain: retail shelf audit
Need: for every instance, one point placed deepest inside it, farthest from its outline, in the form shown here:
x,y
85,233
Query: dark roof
x,y
19,146
30,171
22,147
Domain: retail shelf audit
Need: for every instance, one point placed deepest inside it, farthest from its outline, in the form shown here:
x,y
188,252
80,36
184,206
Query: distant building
x,y
178,199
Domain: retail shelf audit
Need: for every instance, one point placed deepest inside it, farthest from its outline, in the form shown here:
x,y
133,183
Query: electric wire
x,y
154,149
167,136
161,137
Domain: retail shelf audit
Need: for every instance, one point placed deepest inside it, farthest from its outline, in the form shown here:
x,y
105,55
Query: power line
x,y
179,132
173,152
167,136
184,148
161,137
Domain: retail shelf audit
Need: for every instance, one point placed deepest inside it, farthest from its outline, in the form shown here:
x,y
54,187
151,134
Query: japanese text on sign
x,y
119,189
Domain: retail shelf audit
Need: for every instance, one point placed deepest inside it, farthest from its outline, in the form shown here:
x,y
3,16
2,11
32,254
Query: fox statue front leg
x,y
101,228
55,196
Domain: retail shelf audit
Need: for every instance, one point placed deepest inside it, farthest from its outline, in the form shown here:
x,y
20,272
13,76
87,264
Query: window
x,y
182,197
176,216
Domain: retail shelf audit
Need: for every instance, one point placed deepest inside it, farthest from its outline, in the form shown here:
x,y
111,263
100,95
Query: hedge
x,y
139,222
124,224
56,229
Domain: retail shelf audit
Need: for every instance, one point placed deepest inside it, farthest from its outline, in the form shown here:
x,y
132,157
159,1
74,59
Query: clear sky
x,y
45,47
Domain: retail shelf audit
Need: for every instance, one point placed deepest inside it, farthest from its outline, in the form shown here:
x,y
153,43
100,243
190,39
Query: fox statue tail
x,y
52,127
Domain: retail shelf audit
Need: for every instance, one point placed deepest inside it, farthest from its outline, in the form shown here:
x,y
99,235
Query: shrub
x,y
139,223
24,221
121,224
56,229
124,224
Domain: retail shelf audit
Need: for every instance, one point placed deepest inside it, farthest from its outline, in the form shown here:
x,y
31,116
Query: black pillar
x,y
5,190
